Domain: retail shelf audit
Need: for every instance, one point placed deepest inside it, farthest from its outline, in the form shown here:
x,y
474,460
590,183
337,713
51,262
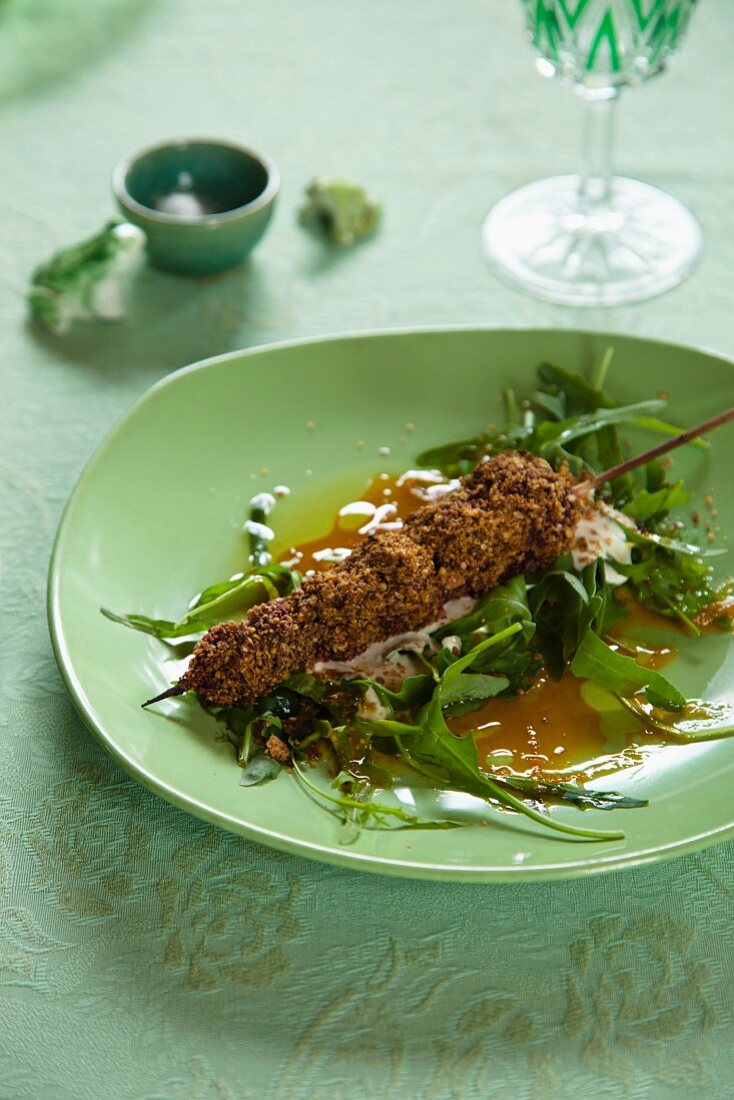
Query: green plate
x,y
157,514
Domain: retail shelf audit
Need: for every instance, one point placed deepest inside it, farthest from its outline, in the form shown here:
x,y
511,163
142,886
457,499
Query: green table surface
x,y
142,953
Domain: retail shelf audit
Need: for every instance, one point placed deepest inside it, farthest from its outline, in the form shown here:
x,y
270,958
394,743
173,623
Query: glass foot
x,y
645,242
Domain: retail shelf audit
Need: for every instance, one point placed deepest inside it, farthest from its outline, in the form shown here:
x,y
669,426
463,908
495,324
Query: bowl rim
x,y
147,213
488,872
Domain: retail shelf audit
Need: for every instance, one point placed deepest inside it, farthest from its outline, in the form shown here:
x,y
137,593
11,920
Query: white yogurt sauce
x,y
600,534
391,661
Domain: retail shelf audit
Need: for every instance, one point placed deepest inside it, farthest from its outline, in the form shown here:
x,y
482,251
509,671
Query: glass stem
x,y
595,178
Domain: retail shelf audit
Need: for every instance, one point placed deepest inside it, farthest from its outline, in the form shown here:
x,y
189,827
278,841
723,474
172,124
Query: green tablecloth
x,y
144,954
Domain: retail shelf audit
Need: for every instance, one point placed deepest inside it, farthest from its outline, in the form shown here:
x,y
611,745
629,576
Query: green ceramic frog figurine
x,y
86,280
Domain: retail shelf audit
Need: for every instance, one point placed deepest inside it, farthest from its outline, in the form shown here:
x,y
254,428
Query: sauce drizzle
x,y
558,728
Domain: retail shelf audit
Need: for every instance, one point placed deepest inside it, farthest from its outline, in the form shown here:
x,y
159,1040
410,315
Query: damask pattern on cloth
x,y
147,931
143,954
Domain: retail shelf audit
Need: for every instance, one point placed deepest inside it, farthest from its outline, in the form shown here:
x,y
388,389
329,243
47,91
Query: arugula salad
x,y
379,752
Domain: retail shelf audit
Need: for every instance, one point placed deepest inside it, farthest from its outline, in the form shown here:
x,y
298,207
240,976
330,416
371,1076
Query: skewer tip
x,y
169,693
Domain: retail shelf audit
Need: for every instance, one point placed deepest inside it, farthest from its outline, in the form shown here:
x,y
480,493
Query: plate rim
x,y
333,854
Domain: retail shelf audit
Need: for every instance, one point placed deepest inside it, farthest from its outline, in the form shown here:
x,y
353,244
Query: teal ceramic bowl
x,y
203,203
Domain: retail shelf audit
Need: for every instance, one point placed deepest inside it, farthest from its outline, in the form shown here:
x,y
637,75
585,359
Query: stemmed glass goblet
x,y
597,239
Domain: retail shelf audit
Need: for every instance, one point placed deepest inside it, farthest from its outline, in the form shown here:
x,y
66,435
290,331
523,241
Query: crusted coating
x,y
512,515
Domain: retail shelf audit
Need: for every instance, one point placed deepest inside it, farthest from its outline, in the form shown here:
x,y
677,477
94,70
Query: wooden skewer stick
x,y
169,693
655,452
582,487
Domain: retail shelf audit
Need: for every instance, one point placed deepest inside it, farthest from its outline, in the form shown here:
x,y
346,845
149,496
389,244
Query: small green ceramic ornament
x,y
344,211
86,280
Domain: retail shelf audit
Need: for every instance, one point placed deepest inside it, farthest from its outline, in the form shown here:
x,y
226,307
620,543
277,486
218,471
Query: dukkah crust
x,y
512,515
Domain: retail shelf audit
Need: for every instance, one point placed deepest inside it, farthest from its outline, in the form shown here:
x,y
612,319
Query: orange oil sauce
x,y
389,500
551,728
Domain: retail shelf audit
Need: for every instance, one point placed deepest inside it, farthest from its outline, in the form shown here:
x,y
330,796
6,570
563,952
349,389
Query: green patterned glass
x,y
595,238
612,42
